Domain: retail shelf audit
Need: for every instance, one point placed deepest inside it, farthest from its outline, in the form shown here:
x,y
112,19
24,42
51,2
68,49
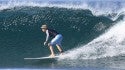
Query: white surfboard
x,y
42,58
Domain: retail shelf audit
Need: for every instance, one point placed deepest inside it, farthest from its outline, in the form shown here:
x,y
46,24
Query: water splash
x,y
97,7
111,43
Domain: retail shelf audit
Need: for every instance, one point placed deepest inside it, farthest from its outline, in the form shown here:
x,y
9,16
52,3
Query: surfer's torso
x,y
52,33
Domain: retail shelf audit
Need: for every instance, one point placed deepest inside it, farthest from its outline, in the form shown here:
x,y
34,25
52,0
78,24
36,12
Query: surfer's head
x,y
44,28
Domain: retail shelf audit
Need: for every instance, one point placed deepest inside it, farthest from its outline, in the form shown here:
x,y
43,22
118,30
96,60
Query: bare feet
x,y
61,53
52,56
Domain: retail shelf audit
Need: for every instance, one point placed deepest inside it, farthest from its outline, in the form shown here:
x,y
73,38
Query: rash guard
x,y
50,33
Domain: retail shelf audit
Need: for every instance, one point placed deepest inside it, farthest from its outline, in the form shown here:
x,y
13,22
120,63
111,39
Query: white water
x,y
97,7
109,44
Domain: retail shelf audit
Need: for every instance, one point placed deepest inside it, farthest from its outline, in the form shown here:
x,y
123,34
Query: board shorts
x,y
56,40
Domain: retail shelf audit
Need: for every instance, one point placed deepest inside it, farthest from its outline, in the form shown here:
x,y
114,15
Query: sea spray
x,y
108,44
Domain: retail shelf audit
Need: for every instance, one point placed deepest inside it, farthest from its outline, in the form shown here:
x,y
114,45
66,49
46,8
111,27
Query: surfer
x,y
56,39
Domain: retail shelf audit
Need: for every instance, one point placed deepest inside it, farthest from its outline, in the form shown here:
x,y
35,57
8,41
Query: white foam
x,y
111,43
97,8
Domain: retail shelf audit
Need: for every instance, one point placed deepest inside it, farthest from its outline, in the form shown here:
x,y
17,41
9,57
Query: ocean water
x,y
93,31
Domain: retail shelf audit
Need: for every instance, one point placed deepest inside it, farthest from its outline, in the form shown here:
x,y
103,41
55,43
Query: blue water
x,y
93,33
86,68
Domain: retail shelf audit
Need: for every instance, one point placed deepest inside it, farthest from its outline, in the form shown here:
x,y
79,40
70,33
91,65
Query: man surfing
x,y
56,39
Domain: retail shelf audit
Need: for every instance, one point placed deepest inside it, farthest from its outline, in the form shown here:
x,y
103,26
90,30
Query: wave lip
x,y
97,7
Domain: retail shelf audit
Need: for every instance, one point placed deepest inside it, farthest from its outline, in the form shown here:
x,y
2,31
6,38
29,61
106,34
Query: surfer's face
x,y
44,30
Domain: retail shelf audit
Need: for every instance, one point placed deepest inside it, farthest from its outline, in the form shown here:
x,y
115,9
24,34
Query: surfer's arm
x,y
47,36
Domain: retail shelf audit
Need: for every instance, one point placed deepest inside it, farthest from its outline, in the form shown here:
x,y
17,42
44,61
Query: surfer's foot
x,y
52,56
61,53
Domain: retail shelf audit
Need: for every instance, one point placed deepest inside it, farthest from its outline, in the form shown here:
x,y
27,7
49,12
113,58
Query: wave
x,y
28,16
98,26
35,16
109,44
26,22
97,7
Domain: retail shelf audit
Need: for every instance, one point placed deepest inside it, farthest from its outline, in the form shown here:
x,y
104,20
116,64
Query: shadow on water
x,y
41,63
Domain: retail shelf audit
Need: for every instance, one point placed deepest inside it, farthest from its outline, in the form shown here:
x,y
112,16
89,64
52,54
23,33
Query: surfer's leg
x,y
51,44
52,52
60,49
58,43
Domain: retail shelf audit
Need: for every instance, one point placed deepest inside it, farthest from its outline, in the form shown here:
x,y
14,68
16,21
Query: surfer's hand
x,y
45,43
48,44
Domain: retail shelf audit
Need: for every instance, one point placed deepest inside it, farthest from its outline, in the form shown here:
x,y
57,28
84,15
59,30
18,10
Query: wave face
x,y
94,28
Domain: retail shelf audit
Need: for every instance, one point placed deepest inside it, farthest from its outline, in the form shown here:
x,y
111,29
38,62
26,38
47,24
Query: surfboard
x,y
42,58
